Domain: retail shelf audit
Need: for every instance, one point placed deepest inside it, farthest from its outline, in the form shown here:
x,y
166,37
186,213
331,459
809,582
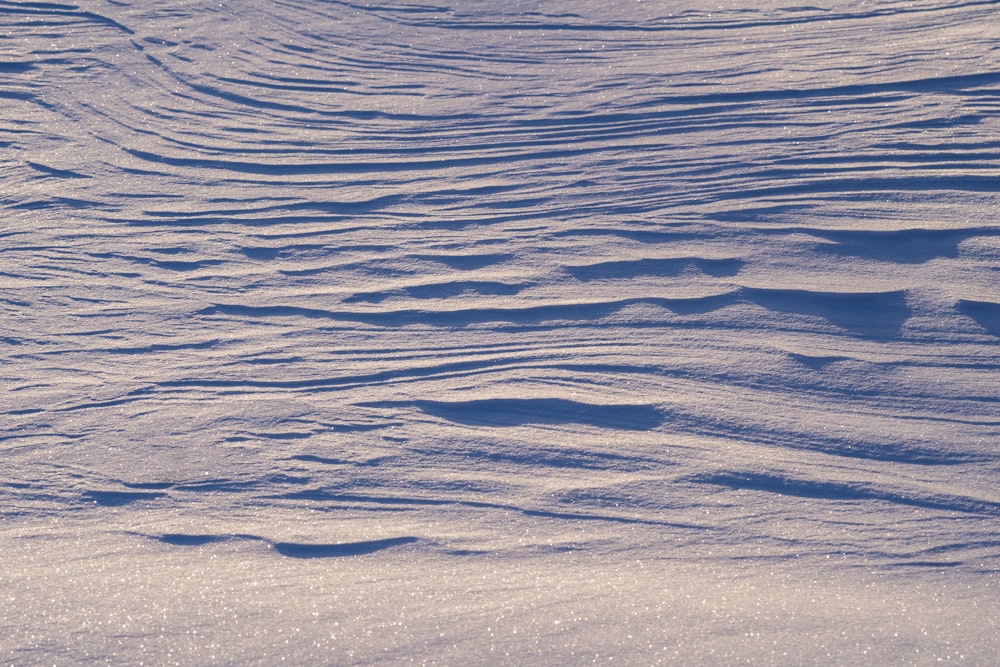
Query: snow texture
x,y
564,332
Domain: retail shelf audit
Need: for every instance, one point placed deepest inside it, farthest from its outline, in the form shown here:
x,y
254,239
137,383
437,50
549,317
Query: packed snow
x,y
546,333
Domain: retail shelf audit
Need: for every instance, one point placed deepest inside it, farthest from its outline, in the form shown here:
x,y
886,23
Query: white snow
x,y
499,333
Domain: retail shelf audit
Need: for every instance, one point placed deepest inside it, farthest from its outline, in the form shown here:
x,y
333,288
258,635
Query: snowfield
x,y
354,332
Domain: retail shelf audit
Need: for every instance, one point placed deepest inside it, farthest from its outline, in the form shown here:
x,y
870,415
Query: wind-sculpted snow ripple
x,y
519,278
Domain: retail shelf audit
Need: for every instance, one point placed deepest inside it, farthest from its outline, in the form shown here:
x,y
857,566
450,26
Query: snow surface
x,y
350,332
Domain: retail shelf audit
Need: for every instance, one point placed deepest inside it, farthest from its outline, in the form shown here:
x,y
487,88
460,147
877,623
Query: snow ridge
x,y
484,304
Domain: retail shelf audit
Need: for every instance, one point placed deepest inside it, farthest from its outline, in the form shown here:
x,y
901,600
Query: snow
x,y
499,333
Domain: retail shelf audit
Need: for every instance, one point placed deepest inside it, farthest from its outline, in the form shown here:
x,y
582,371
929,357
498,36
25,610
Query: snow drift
x,y
533,332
